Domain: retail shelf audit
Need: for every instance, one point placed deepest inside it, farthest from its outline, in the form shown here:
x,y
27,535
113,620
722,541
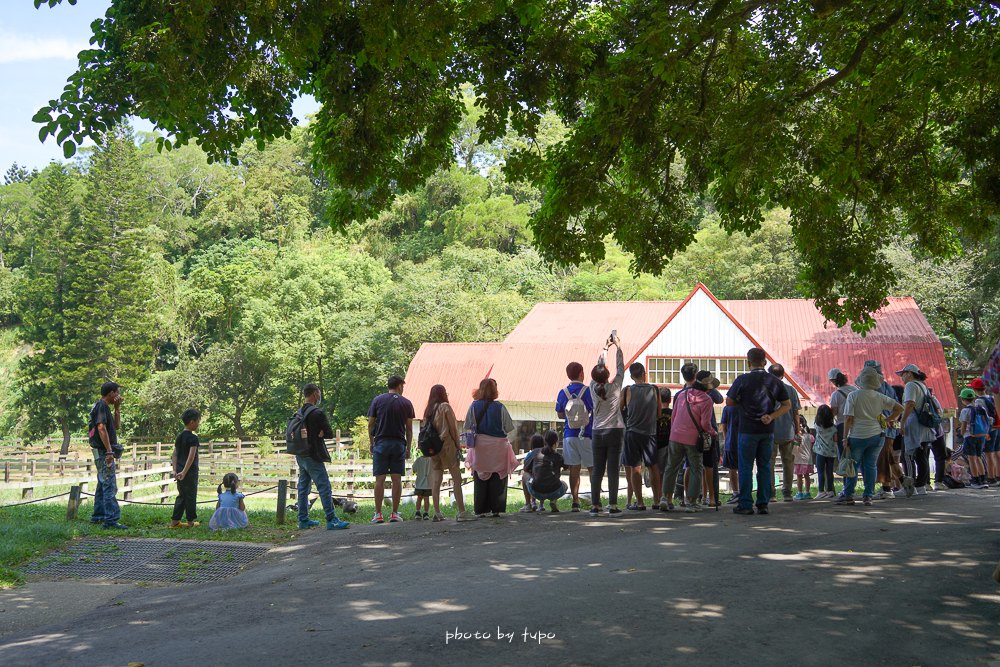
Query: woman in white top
x,y
609,428
917,438
865,431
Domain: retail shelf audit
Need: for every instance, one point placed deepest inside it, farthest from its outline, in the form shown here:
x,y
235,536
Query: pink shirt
x,y
682,429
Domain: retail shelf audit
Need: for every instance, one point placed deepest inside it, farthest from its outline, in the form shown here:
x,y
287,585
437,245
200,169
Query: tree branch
x,y
856,57
824,8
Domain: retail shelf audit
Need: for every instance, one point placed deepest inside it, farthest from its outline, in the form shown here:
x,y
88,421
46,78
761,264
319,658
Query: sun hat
x,y
869,378
968,394
911,368
978,384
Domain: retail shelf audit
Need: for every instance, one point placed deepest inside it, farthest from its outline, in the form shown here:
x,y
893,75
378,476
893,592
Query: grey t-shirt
x,y
838,400
784,426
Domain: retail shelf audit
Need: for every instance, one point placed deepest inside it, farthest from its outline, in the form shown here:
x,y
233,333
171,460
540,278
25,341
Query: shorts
x,y
421,492
389,458
662,457
731,459
974,445
578,451
447,458
992,442
710,457
551,495
639,448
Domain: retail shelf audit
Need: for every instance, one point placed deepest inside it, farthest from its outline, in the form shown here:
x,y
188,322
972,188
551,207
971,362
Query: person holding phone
x,y
103,432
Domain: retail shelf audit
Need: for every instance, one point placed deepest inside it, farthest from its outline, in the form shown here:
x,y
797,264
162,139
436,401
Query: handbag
x,y
704,437
470,436
845,467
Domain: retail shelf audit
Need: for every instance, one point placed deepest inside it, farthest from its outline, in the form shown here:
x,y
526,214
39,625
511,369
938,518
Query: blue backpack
x,y
979,421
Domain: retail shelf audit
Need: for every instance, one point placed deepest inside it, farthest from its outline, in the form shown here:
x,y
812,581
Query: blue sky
x,y
38,50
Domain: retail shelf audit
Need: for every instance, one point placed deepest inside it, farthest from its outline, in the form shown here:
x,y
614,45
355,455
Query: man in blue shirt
x,y
390,427
578,449
761,398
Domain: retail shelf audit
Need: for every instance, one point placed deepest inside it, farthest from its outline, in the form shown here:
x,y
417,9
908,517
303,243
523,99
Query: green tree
x,y
865,120
54,386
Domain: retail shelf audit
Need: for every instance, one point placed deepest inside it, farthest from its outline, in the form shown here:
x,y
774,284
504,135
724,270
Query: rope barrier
x,y
37,500
200,502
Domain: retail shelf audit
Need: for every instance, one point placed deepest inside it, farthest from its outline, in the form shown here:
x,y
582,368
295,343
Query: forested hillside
x,y
222,287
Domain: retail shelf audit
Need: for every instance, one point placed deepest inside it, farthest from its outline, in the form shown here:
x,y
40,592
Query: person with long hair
x,y
825,450
441,415
609,428
492,459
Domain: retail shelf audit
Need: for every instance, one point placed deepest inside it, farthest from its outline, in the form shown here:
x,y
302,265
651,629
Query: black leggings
x,y
940,457
916,465
825,466
608,444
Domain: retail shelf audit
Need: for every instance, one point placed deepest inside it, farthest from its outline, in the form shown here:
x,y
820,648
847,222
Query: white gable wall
x,y
700,329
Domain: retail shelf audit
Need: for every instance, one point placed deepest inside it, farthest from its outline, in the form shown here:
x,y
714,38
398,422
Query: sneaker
x,y
762,509
438,517
639,508
614,513
880,495
378,518
337,524
902,493
846,500
787,497
395,518
746,511
801,495
595,511
115,526
426,516
705,502
974,485
733,500
930,487
664,504
866,501
575,508
697,507
465,515
554,510
527,509
690,509
921,491
307,524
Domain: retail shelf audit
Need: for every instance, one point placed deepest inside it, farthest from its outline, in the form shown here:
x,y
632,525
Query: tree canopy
x,y
866,120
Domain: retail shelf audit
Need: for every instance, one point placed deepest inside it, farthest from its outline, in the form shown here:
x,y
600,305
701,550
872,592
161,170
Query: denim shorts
x,y
389,458
551,495
974,445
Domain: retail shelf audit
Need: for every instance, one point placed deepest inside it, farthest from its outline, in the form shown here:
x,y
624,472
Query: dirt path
x,y
903,583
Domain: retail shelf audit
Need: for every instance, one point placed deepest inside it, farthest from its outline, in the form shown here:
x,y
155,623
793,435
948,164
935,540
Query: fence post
x,y
133,450
350,476
239,448
282,495
158,449
74,503
127,486
6,472
338,443
209,447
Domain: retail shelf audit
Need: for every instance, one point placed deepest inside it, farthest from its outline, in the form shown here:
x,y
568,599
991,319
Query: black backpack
x,y
928,414
295,444
429,441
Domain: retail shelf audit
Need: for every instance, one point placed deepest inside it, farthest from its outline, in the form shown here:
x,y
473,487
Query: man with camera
x,y
103,433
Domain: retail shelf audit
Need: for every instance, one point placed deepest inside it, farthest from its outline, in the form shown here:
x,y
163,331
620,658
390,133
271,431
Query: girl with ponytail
x,y
230,512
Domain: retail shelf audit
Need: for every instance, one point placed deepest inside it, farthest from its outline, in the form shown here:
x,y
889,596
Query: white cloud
x,y
18,48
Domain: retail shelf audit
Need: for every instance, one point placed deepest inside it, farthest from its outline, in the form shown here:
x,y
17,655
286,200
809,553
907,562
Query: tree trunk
x,y
64,423
319,365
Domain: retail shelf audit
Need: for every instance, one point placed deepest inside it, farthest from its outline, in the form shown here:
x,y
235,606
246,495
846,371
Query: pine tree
x,y
54,392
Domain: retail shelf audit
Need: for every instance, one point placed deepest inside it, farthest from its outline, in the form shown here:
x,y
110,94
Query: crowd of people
x,y
872,432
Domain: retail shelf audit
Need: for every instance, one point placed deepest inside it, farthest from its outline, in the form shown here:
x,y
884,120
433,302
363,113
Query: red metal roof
x,y
458,366
794,329
530,365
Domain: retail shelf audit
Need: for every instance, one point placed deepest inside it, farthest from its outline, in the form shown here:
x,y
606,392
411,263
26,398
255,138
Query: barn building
x,y
529,366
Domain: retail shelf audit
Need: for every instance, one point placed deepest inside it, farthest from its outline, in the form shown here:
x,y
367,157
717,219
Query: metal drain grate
x,y
147,560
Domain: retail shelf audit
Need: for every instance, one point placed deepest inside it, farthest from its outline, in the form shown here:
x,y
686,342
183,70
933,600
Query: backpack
x,y
928,415
979,424
295,444
94,438
577,414
429,441
991,410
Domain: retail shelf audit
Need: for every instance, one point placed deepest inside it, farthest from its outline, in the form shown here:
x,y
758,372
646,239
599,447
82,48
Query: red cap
x,y
977,384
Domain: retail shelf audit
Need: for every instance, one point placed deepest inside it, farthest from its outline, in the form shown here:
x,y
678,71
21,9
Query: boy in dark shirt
x,y
186,450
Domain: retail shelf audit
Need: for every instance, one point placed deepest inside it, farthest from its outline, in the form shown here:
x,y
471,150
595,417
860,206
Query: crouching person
x,y
544,482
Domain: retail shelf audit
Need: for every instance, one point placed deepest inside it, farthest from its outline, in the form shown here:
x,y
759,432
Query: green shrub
x,y
265,447
360,442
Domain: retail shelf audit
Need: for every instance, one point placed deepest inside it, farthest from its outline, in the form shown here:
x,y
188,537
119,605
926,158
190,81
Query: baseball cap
x,y
871,363
968,394
834,372
912,368
978,384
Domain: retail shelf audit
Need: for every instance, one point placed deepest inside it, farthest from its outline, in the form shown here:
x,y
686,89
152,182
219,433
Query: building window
x,y
667,370
664,371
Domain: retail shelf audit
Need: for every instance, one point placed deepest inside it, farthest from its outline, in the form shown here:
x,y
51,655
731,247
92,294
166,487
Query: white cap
x,y
832,375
